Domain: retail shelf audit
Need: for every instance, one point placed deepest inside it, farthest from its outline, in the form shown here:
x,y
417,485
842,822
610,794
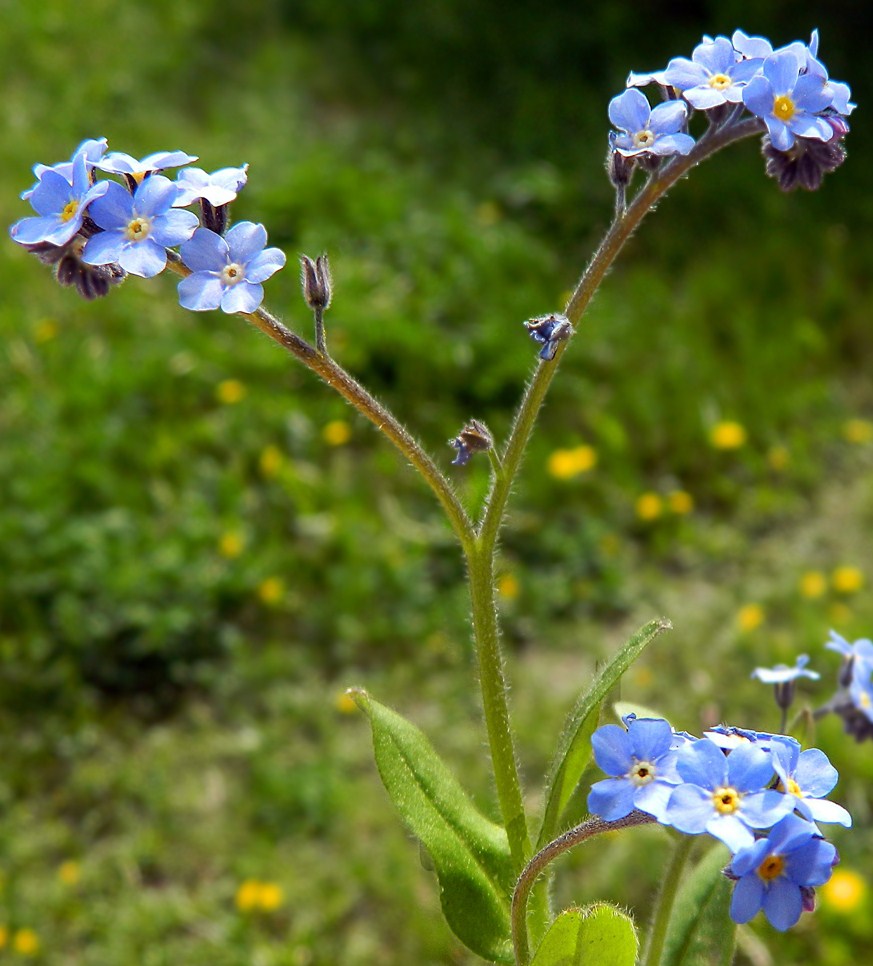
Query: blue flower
x,y
725,795
60,203
809,776
777,874
549,330
715,74
473,438
138,228
93,150
728,737
227,272
788,99
642,761
219,188
116,162
644,130
751,47
783,674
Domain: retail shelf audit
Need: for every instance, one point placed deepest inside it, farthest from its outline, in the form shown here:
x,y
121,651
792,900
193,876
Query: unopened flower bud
x,y
316,281
473,438
549,330
807,161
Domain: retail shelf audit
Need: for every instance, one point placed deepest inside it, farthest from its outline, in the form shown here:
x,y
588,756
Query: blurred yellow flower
x,y
271,896
270,461
847,580
749,617
564,464
25,942
336,433
727,435
230,391
69,872
230,545
271,591
508,586
680,502
813,583
345,703
248,895
778,458
858,431
844,892
45,331
649,506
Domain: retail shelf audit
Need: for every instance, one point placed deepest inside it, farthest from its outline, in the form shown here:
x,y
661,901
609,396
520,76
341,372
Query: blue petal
x,y
629,111
103,249
205,251
200,292
747,898
612,749
114,209
245,240
611,799
262,266
145,258
782,904
242,297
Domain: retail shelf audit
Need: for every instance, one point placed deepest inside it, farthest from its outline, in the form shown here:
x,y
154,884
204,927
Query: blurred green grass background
x,y
201,548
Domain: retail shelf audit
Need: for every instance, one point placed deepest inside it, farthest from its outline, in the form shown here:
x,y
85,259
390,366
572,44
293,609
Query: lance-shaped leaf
x,y
700,925
599,935
574,745
470,854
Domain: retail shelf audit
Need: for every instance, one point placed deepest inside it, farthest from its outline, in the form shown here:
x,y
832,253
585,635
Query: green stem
x,y
666,898
531,872
492,682
353,392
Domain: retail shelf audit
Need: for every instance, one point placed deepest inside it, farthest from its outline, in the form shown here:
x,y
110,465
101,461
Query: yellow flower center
x,y
139,229
69,211
771,868
783,107
726,800
720,82
233,273
642,773
643,139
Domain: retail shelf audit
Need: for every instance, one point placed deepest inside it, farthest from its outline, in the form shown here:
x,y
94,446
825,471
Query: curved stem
x,y
666,898
351,390
623,226
565,842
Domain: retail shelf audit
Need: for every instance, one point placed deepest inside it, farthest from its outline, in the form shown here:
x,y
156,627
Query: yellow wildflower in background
x,y
813,584
248,895
230,391
858,431
750,617
508,586
271,591
649,506
230,544
25,942
847,580
69,872
727,435
345,703
844,892
564,464
336,433
271,896
270,461
680,502
778,458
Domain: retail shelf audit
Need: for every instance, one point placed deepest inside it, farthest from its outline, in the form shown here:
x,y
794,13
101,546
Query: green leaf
x,y
574,745
470,854
599,935
699,924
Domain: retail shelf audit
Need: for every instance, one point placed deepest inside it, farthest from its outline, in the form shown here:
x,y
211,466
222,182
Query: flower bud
x,y
550,330
473,438
316,281
807,161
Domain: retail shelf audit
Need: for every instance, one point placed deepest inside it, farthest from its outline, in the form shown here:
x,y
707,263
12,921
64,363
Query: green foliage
x,y
599,935
573,752
470,854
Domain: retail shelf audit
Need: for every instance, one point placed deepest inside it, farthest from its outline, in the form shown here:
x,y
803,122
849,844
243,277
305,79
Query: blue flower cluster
x,y
854,700
97,231
756,792
802,110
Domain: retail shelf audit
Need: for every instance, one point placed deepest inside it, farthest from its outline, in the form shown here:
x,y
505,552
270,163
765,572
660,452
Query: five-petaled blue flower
x,y
139,227
227,272
93,150
644,130
219,188
117,162
642,763
714,75
809,776
778,873
788,99
725,795
783,673
60,203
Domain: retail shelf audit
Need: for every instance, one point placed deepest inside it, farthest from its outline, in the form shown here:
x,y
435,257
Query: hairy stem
x,y
666,898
